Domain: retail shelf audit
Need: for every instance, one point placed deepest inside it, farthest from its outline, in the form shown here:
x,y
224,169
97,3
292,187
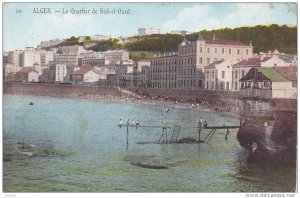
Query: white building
x,y
147,31
218,75
30,57
58,72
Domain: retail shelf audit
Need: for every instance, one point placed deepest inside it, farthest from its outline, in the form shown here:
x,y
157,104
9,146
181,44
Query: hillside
x,y
264,38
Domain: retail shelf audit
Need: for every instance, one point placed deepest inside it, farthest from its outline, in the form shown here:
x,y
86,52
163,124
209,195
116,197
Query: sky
x,y
28,29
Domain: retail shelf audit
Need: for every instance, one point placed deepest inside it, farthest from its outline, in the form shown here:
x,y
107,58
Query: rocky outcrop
x,y
270,144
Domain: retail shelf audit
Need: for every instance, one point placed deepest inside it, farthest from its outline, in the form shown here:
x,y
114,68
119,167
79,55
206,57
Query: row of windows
x,y
163,77
215,50
221,87
181,83
185,71
168,61
184,61
169,85
163,69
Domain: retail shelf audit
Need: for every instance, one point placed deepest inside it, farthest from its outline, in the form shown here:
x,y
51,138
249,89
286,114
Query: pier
x,y
177,129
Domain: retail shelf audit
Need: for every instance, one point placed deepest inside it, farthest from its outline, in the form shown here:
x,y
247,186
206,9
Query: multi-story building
x,y
27,75
145,76
147,31
186,69
30,57
67,59
58,72
243,67
46,57
5,58
115,56
163,71
15,58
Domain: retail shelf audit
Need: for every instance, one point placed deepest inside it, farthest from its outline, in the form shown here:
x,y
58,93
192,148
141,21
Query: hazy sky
x,y
27,29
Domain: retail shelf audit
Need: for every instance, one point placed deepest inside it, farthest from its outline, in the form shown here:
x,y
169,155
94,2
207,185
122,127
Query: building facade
x,y
147,31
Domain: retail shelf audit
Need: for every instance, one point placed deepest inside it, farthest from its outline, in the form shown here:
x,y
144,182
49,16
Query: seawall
x,y
62,90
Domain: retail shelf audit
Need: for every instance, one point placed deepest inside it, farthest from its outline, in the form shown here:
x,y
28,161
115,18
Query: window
x,y
200,49
208,60
238,51
207,74
229,51
243,73
207,84
235,85
223,51
236,74
223,74
216,50
200,60
212,74
212,85
208,50
227,85
200,83
247,51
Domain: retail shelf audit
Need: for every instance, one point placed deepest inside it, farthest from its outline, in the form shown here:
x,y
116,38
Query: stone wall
x,y
57,89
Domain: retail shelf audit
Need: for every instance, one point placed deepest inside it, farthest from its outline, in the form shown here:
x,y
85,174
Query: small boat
x,y
31,103
148,165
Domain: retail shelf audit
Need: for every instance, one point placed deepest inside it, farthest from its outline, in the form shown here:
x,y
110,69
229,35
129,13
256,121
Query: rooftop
x,y
251,61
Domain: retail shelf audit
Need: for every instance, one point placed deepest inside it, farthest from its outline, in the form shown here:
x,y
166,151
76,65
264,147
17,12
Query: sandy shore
x,y
160,102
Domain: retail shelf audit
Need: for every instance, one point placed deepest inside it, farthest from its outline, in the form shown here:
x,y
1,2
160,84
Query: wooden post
x,y
127,134
199,131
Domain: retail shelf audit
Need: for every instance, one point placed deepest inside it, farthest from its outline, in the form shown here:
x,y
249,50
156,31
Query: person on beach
x,y
137,123
120,123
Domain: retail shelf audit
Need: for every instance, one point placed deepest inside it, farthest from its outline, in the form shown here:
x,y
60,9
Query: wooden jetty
x,y
176,131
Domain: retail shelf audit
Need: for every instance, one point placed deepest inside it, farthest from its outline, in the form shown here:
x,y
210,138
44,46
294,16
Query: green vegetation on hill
x,y
264,38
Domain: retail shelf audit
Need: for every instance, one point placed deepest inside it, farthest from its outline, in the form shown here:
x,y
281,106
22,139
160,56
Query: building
x,y
30,57
185,70
266,82
85,75
46,57
116,56
181,32
163,71
147,31
71,50
145,76
242,67
58,72
67,59
27,75
50,43
15,58
218,75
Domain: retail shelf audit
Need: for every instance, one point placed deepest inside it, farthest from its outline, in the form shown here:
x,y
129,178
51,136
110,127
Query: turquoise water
x,y
74,145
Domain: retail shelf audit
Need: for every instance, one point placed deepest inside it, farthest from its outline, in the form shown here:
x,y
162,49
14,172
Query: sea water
x,y
75,145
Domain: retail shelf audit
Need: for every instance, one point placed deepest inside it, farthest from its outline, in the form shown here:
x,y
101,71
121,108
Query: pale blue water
x,y
79,148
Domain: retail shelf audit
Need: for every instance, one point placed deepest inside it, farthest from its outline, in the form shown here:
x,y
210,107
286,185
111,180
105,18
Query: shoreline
x,y
159,102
